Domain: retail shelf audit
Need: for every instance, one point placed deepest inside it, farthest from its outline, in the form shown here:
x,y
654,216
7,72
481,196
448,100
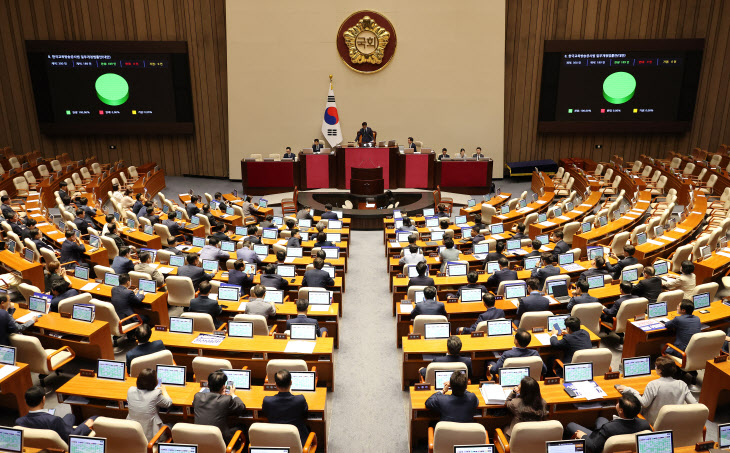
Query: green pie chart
x,y
112,89
619,87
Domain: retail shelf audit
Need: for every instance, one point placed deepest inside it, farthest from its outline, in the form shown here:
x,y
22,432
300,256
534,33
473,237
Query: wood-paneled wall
x,y
530,22
199,22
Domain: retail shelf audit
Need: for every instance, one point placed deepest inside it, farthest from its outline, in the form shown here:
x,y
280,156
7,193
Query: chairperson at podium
x,y
365,135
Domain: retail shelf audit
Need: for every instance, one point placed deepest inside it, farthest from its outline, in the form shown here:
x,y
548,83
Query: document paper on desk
x,y
208,340
725,254
5,370
289,259
89,286
27,317
300,347
319,308
543,338
165,270
588,390
494,393
546,224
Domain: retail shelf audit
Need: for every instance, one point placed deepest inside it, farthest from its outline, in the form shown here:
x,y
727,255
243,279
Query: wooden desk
x,y
481,351
108,398
13,387
715,387
496,201
32,272
713,268
154,183
561,406
50,232
252,352
91,340
557,223
637,342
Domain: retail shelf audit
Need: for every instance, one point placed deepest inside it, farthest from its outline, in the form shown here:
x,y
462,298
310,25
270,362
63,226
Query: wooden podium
x,y
366,181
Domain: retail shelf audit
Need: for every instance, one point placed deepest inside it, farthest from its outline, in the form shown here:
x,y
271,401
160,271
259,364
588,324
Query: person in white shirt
x,y
686,280
662,391
414,257
127,200
116,193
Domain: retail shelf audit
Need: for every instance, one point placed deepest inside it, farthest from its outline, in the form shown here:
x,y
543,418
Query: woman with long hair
x,y
526,403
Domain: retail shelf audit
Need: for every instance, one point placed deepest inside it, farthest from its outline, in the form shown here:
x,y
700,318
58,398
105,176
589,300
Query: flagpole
x,y
330,81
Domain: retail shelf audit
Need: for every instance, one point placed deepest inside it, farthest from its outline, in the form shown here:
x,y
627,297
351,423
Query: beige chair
x,y
487,212
711,288
421,320
27,290
48,256
589,315
111,247
180,291
622,443
42,439
208,438
205,222
30,178
304,291
447,434
681,254
101,271
259,323
433,367
533,319
203,366
150,361
273,366
43,171
672,298
411,295
122,436
41,361
702,347
500,288
21,186
601,358
202,322
56,165
535,363
556,278
256,157
105,312
280,435
618,242
629,309
529,436
686,421
163,232
133,175
639,269
66,305
570,229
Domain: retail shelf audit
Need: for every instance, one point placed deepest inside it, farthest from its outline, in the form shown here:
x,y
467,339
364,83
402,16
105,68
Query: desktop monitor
x,y
565,446
455,269
152,252
398,224
460,220
466,232
340,214
240,329
304,235
636,366
603,220
576,372
278,220
263,202
723,435
656,310
656,442
437,235
397,214
557,212
557,288
543,238
270,233
11,440
80,312
149,229
166,209
198,242
585,227
641,238
331,253
499,327
261,249
515,291
274,295
333,224
10,245
195,220
566,258
504,209
110,369
228,246
81,272
210,265
514,244
181,325
481,248
541,217
38,304
523,203
28,254
176,448
705,252
241,378
482,448
249,268
496,228
241,231
511,376
304,223
229,293
412,271
132,225
630,275
701,300
558,320
303,381
428,212
83,444
432,221
595,252
303,332
442,377
531,262
177,260
171,374
436,330
335,237
471,294
596,281
7,355
286,270
492,267
294,252
402,236
148,286
111,279
319,298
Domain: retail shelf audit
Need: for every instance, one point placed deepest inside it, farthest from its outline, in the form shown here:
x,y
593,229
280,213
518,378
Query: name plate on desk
x,y
498,297
552,380
720,359
477,334
279,336
611,375
269,387
422,387
414,336
538,329
441,274
65,314
705,446
481,272
452,300
87,373
401,276
161,328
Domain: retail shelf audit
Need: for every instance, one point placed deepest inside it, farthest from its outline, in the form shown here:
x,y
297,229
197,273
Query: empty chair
x,y
433,367
681,254
487,212
535,363
446,435
622,442
257,157
629,309
112,250
589,315
259,323
101,271
203,366
569,230
56,165
601,358
529,436
533,319
280,435
43,171
711,288
686,421
123,436
421,320
105,312
202,322
150,361
180,291
21,186
66,305
41,361
273,366
619,241
27,290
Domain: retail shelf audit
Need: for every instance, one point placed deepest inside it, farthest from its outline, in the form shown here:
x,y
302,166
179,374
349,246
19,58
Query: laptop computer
x,y
496,228
441,378
81,312
210,266
270,233
83,444
437,235
110,369
636,366
171,374
499,327
274,295
577,372
723,435
177,260
81,272
240,329
436,330
567,262
656,442
319,298
333,253
657,310
229,293
641,239
470,294
294,252
111,279
557,320
402,236
531,262
585,227
454,269
11,440
261,250
147,286
595,252
228,246
492,267
38,304
701,300
559,290
198,242
286,270
630,275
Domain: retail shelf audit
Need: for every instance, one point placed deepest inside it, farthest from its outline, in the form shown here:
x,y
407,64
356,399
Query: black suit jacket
x,y
596,441
204,304
287,409
124,301
501,275
591,272
274,281
454,408
303,319
428,307
172,226
491,313
56,299
318,278
620,265
367,134
582,299
448,358
317,148
420,281
327,215
213,409
82,225
142,350
613,310
44,420
240,278
71,251
572,342
560,248
196,274
650,288
532,302
8,326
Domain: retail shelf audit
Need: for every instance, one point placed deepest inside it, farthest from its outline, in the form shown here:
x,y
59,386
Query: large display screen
x,y
111,87
619,85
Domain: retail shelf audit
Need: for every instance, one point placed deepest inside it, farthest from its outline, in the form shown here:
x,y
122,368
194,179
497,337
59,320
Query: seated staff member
x,y
457,407
237,276
491,313
662,391
686,280
8,325
171,225
219,232
112,232
502,275
453,346
172,246
258,306
317,277
478,154
122,264
598,267
429,306
444,154
526,404
39,418
685,325
145,266
144,345
410,143
472,279
549,269
610,312
270,279
580,295
534,301
304,214
628,408
322,240
204,304
214,407
285,408
124,299
72,249
36,237
247,254
422,279
295,240
192,270
497,254
301,318
650,287
316,146
414,257
288,154
627,260
574,339
522,340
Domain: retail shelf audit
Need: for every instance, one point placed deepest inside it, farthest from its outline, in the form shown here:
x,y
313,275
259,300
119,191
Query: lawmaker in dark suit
x,y
170,223
237,276
503,274
138,203
685,325
444,154
599,268
491,313
429,306
560,245
328,214
80,222
628,408
8,325
285,408
410,143
610,312
497,254
61,290
478,154
172,246
521,232
316,146
574,339
39,418
534,301
124,299
35,236
453,346
192,207
288,154
422,279
457,407
549,269
301,318
214,407
317,277
196,274
72,249
122,264
472,279
144,345
650,287
627,260
366,133
580,295
270,279
522,340
204,304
